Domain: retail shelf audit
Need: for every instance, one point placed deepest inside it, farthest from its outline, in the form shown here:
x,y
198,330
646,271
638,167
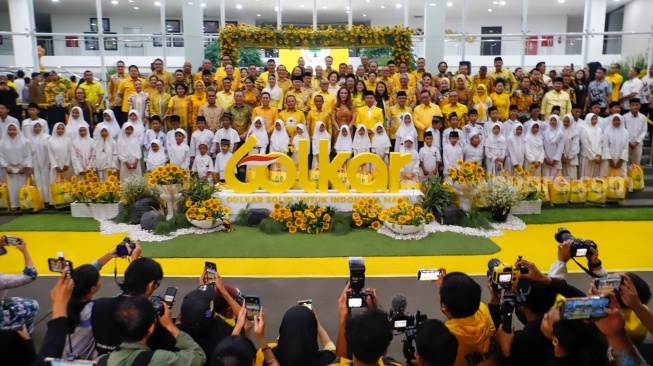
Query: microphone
x,y
399,304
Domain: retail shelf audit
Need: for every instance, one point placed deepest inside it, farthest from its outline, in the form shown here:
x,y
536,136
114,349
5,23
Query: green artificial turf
x,y
250,242
570,214
51,222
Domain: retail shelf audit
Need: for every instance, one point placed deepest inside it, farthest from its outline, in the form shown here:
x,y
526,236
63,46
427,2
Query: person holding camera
x,y
435,345
136,319
559,268
17,312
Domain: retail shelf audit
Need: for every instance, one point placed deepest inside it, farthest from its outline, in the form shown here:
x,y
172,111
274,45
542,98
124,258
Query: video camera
x,y
504,276
579,247
122,247
357,298
405,322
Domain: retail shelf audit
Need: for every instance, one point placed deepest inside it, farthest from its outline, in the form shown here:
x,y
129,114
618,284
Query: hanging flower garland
x,y
398,38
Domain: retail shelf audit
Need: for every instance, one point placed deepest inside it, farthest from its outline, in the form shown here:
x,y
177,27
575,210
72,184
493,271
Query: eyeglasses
x,y
156,285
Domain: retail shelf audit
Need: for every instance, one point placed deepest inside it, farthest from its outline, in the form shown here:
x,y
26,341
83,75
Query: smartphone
x,y
169,297
59,264
60,362
253,306
12,240
429,274
582,308
607,284
211,271
307,303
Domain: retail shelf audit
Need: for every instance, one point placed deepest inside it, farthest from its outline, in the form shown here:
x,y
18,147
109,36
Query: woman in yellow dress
x,y
426,84
358,96
252,95
180,105
343,113
500,99
197,100
151,86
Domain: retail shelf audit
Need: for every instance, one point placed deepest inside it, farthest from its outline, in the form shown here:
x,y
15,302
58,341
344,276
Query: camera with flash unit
x,y
503,276
357,298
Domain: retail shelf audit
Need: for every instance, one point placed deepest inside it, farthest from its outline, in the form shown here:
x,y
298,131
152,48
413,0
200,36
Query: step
x,y
646,193
644,202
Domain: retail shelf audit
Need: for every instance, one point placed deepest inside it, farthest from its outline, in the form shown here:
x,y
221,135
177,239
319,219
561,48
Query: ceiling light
x,y
136,8
346,7
258,15
382,7
157,4
432,4
495,2
398,6
55,1
502,3
190,3
364,15
203,5
301,6
489,10
238,6
324,7
276,8
561,1
131,1
347,12
367,1
450,4
114,2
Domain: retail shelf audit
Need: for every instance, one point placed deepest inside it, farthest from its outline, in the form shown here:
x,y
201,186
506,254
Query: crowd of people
x,y
213,325
582,123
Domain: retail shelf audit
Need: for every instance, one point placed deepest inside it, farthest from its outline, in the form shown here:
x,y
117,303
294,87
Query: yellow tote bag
x,y
60,198
30,197
596,195
616,188
636,173
577,192
314,174
5,198
559,191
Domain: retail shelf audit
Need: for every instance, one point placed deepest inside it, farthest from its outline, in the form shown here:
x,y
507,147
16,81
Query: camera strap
x,y
585,269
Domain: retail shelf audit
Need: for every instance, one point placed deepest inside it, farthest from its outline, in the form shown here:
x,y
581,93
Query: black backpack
x,y
142,359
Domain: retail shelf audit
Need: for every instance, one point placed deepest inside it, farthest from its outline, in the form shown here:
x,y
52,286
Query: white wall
x,y
637,17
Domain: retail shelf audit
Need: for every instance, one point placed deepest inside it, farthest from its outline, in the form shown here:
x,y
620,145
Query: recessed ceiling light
x,y
157,4
367,1
203,5
432,4
276,8
258,15
561,1
347,12
131,1
502,3
398,6
114,2
238,6
324,7
346,7
136,8
382,7
301,6
449,4
364,15
190,3
55,1
495,2
489,10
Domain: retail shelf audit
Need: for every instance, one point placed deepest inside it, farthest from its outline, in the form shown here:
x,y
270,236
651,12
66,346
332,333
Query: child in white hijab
x,y
406,129
60,152
258,130
591,142
15,160
300,134
361,142
615,147
75,121
109,118
82,152
134,117
381,143
156,156
320,133
279,139
516,148
179,153
40,159
554,145
343,141
534,152
410,171
495,150
105,152
572,148
129,152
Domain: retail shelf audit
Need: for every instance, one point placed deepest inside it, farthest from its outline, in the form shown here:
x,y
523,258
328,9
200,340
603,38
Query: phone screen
x,y
59,264
169,297
12,240
253,306
211,271
307,303
609,284
585,308
429,274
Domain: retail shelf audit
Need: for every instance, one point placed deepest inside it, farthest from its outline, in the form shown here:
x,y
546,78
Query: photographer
x,y
559,268
17,311
435,345
468,319
136,319
142,278
634,293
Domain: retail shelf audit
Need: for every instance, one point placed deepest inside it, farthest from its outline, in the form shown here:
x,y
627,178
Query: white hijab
x,y
361,142
594,135
569,133
317,136
274,92
534,141
406,130
113,126
553,135
616,136
300,136
380,140
129,146
74,123
83,146
515,145
38,141
260,133
13,149
343,143
412,149
139,127
60,146
103,148
495,141
156,158
279,140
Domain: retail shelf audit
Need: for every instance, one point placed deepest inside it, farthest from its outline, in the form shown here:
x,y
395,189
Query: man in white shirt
x,y
636,126
5,120
646,97
630,89
226,133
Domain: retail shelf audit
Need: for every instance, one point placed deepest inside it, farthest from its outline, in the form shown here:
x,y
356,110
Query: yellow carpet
x,y
623,246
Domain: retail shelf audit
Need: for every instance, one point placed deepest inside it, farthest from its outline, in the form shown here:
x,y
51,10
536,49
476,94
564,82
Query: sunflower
x,y
73,179
400,200
292,229
461,179
459,162
174,169
356,216
376,225
474,162
164,174
358,223
226,210
527,174
532,167
151,182
452,170
504,172
470,179
430,217
311,206
490,176
354,206
454,175
519,170
326,217
325,226
277,206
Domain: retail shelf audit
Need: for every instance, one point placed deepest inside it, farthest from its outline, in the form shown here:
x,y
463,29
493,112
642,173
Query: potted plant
x,y
168,180
501,195
208,214
93,198
531,190
405,218
435,196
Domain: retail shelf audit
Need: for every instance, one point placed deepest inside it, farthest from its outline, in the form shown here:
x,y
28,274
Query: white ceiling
x,y
329,11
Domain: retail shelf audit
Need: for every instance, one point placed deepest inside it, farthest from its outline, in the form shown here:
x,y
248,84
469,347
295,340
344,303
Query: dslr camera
x,y
579,247
504,276
125,247
156,304
357,298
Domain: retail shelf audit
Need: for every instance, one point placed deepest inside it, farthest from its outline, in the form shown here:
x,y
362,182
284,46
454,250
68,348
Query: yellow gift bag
x,y
577,192
616,188
559,191
363,175
5,198
636,174
61,197
30,198
342,175
314,175
596,195
277,175
250,174
546,191
297,185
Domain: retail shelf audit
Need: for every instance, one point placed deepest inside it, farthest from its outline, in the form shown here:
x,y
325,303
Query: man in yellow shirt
x,y
385,77
506,75
393,115
188,77
482,79
114,81
221,73
328,99
94,95
328,61
558,97
235,81
369,114
423,114
421,68
206,65
406,88
392,67
292,117
269,114
307,83
226,97
301,97
319,113
126,88
282,79
263,78
454,106
464,70
160,73
403,69
319,76
616,79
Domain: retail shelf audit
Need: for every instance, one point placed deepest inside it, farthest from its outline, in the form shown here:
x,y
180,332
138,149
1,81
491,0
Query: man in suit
x,y
369,114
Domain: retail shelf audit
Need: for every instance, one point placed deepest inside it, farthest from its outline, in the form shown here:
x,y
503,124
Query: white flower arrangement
x,y
499,193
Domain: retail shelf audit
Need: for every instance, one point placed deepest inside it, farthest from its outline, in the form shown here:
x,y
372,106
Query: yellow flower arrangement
x,y
367,213
168,174
467,172
403,213
398,38
89,189
209,210
312,219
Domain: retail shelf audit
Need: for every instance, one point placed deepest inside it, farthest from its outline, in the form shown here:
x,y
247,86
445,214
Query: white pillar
x,y
103,67
223,17
524,30
315,15
164,31
350,18
22,20
463,31
406,15
193,32
279,14
434,17
595,11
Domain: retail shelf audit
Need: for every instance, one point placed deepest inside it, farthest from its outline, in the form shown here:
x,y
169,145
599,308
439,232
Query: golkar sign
x,y
386,180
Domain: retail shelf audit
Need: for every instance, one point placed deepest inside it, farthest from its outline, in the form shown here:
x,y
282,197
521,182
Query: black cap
x,y
555,108
634,100
296,78
453,134
428,134
401,93
201,118
33,105
513,107
197,308
534,106
558,79
472,111
206,72
227,115
307,74
156,118
493,108
225,142
436,119
453,114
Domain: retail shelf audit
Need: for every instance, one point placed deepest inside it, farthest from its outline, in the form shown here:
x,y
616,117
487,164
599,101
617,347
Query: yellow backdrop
x,y
313,58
